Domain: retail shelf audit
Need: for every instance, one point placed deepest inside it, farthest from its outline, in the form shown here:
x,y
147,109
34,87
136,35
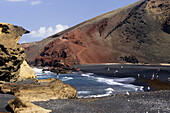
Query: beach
x,y
151,102
156,100
140,102
146,102
4,98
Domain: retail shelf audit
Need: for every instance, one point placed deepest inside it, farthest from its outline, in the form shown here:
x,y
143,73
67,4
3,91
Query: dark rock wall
x,y
10,61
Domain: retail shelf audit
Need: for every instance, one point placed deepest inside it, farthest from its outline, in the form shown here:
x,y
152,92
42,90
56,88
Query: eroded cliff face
x,y
137,33
11,54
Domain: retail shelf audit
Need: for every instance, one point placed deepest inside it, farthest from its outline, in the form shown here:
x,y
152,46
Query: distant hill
x,y
137,33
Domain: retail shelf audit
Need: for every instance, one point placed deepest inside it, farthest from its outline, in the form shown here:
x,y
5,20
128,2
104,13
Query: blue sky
x,y
46,17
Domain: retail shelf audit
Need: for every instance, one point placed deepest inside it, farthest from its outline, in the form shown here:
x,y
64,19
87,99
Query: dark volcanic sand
x,y
151,102
4,98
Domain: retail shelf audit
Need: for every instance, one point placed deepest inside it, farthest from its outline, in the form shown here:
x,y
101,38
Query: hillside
x,y
137,33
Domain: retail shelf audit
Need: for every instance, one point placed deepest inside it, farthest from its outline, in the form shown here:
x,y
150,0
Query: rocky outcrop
x,y
12,55
26,71
136,33
23,106
42,90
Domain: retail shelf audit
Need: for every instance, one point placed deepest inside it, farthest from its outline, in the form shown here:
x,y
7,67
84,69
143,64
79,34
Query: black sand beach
x,y
125,70
4,98
151,102
146,102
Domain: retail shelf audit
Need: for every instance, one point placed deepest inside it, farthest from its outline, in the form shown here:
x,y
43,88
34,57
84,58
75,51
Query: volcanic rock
x,y
42,91
23,106
137,33
26,71
12,55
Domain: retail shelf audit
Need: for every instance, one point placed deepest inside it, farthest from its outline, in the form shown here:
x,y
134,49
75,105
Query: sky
x,y
47,17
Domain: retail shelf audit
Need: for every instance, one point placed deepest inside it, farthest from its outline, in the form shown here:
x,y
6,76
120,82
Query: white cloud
x,y
37,2
16,0
45,32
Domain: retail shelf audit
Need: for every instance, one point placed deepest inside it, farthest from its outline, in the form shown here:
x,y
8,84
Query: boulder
x,y
12,55
44,90
27,72
22,106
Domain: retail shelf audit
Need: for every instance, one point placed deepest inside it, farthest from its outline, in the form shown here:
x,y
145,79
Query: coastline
x,y
156,101
152,101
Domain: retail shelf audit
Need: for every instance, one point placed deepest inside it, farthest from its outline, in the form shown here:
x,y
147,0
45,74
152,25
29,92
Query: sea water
x,y
91,85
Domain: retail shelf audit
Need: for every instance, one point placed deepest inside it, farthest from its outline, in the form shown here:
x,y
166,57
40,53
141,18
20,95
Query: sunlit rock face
x,y
11,54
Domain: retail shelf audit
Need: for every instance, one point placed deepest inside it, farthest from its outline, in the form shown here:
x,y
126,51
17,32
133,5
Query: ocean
x,y
90,85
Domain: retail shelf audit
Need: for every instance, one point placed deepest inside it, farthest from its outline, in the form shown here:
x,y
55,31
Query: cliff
x,y
12,56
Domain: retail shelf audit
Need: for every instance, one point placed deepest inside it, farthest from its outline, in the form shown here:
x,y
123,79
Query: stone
x,y
26,93
23,106
10,61
10,34
13,66
45,90
27,72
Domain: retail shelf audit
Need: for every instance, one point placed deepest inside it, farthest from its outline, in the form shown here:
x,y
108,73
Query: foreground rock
x,y
42,90
22,106
12,56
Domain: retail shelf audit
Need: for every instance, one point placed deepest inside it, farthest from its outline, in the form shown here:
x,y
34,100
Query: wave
x,y
123,82
43,74
87,74
84,92
37,70
66,78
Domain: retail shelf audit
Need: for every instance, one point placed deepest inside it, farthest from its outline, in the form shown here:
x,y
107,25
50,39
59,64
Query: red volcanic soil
x,y
136,33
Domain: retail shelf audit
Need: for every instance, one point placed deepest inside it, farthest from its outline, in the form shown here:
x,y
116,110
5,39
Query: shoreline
x,y
96,104
155,101
156,64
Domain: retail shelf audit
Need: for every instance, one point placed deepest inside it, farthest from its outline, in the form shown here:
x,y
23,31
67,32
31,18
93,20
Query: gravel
x,y
151,102
4,98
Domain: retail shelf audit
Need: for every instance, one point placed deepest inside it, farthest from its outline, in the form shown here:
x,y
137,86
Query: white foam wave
x,y
66,78
118,82
97,96
84,92
86,74
37,70
109,91
123,82
44,77
40,72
